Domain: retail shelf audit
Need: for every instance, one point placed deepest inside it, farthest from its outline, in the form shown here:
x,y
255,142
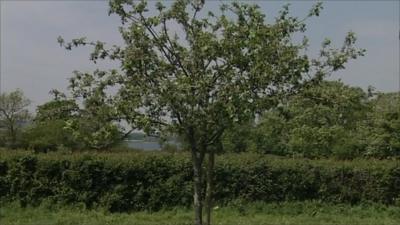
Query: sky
x,y
32,60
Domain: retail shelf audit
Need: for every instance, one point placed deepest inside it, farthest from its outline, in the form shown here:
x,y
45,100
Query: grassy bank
x,y
294,213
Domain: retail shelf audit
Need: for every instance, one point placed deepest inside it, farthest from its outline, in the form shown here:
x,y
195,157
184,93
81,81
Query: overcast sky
x,y
32,60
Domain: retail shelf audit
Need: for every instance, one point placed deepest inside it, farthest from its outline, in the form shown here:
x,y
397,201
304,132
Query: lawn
x,y
293,213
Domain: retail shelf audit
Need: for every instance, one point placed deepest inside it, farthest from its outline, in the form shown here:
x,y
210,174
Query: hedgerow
x,y
152,181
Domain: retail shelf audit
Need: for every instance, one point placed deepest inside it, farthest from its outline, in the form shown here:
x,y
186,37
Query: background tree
x,y
323,120
239,138
13,115
63,122
382,128
213,70
49,132
332,119
319,121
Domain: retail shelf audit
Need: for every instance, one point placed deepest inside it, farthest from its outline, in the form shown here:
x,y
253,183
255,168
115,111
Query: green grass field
x,y
294,213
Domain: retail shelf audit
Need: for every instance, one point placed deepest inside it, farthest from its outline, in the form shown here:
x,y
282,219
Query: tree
x,y
48,131
60,108
196,76
320,121
91,125
383,126
13,114
48,136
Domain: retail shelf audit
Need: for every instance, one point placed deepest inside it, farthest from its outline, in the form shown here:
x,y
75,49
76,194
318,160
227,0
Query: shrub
x,y
152,181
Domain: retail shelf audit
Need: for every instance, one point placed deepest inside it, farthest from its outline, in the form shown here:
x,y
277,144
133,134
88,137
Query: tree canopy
x,y
328,120
317,122
89,125
383,126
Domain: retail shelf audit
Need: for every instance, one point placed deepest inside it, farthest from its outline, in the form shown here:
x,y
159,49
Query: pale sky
x,y
32,60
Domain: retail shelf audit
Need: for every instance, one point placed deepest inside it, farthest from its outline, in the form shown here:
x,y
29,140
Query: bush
x,y
152,181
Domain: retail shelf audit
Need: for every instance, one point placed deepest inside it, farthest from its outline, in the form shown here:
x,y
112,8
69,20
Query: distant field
x,y
295,213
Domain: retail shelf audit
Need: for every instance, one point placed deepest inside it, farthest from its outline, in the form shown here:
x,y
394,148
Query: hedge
x,y
152,181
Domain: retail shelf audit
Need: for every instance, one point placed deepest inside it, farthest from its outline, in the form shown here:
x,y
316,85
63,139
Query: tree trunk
x,y
13,137
197,199
210,186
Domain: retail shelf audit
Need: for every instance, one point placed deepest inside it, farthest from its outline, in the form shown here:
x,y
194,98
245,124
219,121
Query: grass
x,y
290,213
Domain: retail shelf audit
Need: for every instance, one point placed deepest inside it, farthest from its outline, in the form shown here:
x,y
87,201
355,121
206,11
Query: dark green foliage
x,y
239,138
152,181
330,120
49,135
57,109
383,126
61,124
49,132
320,121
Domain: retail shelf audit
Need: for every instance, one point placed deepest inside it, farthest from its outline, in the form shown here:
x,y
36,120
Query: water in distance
x,y
143,145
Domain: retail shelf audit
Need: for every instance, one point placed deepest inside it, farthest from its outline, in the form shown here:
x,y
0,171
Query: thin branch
x,y
216,135
172,50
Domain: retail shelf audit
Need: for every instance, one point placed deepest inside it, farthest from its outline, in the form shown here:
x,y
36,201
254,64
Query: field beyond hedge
x,y
132,181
